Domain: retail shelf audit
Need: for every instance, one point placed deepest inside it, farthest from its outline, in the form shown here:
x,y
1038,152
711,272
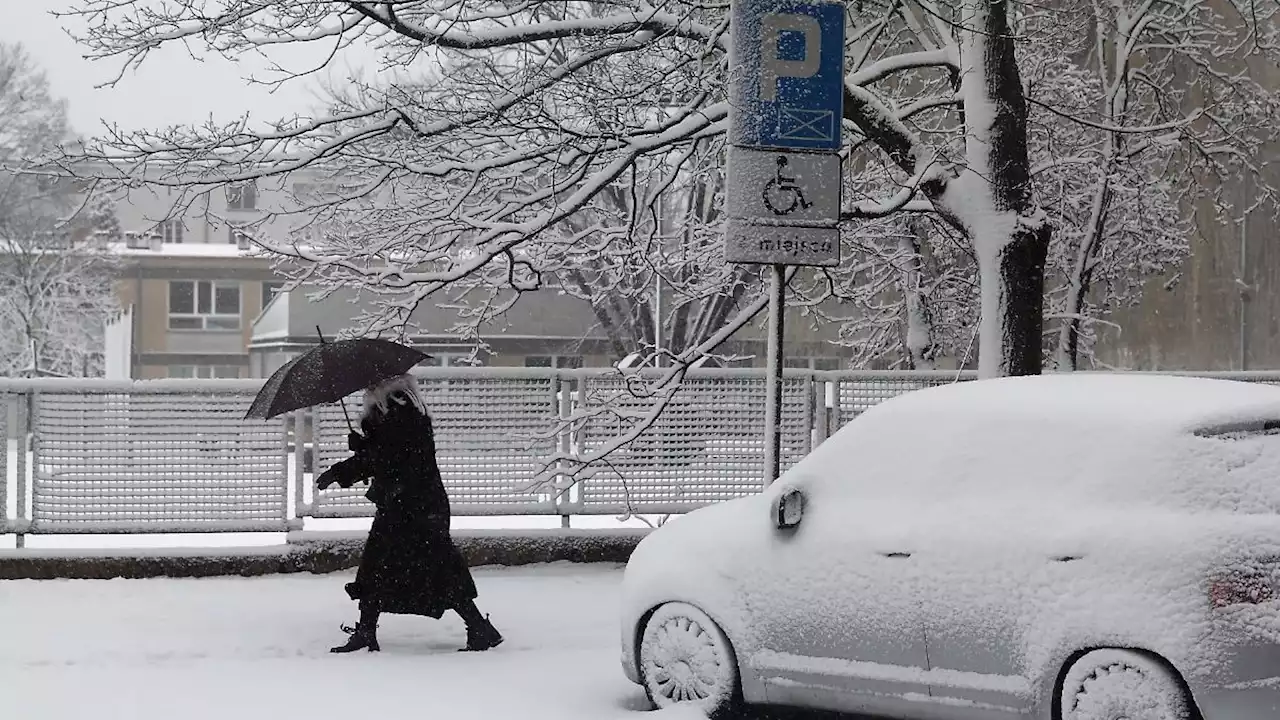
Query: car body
x,y
972,550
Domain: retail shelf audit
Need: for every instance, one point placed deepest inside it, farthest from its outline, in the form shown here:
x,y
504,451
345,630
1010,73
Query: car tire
x,y
686,659
1109,684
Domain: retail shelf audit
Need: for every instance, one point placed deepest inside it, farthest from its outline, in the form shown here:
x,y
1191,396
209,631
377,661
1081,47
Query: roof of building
x,y
191,250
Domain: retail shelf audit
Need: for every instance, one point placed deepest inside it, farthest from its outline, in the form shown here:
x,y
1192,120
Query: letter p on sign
x,y
772,68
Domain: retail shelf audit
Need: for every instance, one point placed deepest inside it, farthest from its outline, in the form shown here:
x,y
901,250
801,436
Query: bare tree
x,y
56,276
1144,114
659,287
1141,116
907,294
536,109
545,135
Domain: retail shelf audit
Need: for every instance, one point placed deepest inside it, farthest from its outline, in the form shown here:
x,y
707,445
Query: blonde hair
x,y
402,389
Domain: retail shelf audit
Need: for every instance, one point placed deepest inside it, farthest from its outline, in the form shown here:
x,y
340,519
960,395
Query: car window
x,y
1236,467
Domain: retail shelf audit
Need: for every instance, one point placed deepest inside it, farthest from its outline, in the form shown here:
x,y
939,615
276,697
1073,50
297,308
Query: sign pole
x,y
773,397
783,175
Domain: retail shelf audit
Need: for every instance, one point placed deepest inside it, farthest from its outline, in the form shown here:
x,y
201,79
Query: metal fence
x,y
165,456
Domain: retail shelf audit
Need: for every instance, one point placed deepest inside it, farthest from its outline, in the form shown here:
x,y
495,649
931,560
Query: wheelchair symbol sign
x,y
783,195
783,187
782,207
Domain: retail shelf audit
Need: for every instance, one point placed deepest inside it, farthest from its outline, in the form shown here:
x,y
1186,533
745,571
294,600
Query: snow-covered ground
x,y
248,648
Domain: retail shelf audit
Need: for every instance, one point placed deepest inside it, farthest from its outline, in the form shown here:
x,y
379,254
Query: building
x,y
545,329
191,307
201,302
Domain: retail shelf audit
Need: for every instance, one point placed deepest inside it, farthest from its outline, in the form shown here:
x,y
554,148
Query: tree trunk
x,y
1068,354
607,323
918,341
1010,235
1114,108
1012,280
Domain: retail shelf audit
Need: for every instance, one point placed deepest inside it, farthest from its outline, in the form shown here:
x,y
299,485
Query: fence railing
x,y
167,456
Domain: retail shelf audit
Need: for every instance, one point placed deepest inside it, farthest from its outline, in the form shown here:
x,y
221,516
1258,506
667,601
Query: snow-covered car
x,y
1066,547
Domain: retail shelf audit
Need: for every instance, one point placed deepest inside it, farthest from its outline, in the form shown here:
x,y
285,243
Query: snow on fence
x,y
183,461
169,456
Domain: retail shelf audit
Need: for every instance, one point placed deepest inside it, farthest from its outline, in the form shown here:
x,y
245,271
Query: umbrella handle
x,y
341,403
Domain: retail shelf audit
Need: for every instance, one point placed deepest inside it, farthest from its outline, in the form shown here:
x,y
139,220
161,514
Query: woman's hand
x,y
328,477
344,473
356,442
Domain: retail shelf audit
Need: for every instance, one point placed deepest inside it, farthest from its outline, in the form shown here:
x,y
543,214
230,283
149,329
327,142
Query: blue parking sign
x,y
787,74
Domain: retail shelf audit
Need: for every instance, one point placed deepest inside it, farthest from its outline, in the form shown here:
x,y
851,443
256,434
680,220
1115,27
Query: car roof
x,y
1067,439
1132,401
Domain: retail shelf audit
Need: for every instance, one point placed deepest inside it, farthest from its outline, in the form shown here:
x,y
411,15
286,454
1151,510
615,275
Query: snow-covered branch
x,y
1001,156
563,469
56,272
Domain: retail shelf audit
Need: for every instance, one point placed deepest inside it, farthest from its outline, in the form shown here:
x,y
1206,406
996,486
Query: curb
x,y
313,552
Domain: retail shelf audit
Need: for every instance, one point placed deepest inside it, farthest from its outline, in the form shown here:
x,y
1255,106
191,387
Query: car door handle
x,y
897,555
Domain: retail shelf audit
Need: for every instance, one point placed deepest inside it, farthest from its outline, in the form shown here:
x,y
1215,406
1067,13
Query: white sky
x,y
171,88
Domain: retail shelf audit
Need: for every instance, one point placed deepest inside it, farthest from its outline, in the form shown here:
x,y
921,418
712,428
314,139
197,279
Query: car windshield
x,y
1014,461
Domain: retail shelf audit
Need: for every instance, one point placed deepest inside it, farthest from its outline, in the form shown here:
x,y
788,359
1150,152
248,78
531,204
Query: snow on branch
x,y
894,64
576,147
448,33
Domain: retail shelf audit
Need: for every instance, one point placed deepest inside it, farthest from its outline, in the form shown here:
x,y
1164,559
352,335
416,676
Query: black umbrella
x,y
330,372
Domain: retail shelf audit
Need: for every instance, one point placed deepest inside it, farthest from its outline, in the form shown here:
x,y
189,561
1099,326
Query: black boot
x,y
482,637
481,634
363,635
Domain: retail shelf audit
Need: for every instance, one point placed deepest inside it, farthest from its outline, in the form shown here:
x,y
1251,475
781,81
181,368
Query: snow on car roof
x,y
1070,437
1173,403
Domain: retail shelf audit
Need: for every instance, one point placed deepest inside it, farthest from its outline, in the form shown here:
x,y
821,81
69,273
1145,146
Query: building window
x,y
537,361
171,231
204,305
239,238
204,371
269,291
242,196
314,192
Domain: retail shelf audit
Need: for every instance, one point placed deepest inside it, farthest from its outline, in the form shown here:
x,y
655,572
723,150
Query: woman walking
x,y
410,565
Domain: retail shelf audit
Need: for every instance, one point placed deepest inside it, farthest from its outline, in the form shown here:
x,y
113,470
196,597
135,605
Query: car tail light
x,y
1242,587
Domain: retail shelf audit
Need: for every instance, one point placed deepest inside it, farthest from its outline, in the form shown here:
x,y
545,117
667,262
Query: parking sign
x,y
786,104
787,87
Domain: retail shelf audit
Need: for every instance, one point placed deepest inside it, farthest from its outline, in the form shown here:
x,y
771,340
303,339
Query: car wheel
x,y
685,659
1122,685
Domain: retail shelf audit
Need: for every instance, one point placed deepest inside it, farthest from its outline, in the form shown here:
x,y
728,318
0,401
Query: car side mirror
x,y
788,509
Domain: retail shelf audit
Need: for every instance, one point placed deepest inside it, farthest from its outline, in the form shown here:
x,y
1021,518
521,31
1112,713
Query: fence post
x,y
10,459
810,386
821,417
288,423
23,425
319,427
302,437
564,409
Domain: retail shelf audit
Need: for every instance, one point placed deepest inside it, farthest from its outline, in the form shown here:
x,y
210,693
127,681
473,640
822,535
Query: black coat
x,y
410,564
